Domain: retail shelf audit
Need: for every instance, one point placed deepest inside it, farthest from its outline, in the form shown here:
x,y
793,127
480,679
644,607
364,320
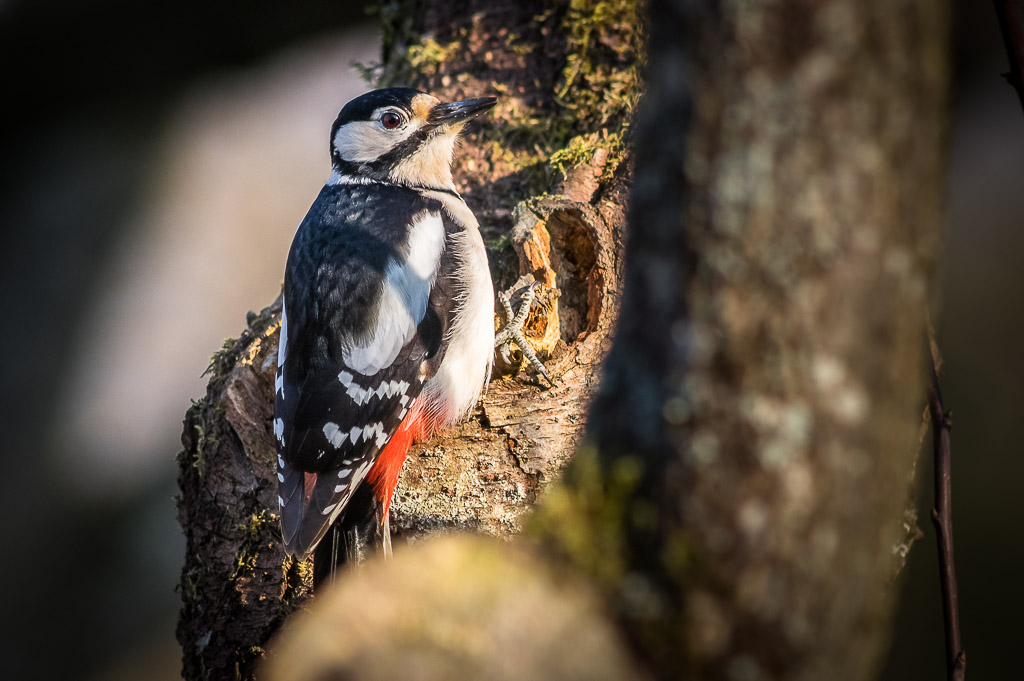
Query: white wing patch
x,y
403,301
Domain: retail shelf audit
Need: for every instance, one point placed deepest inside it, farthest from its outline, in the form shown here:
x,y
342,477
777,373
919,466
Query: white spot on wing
x,y
282,346
368,431
357,393
283,343
279,434
361,395
334,435
357,477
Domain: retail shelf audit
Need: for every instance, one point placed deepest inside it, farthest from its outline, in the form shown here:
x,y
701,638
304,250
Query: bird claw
x,y
505,351
513,331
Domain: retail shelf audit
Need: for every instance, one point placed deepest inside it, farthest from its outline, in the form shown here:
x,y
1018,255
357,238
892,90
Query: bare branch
x,y
942,517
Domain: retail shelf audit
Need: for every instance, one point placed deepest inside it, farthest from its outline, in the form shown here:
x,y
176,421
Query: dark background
x,y
128,121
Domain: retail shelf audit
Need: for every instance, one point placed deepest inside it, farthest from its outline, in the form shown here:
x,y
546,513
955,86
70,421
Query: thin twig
x,y
942,517
1011,24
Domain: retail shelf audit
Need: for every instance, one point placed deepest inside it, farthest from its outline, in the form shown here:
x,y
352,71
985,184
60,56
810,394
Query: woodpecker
x,y
387,330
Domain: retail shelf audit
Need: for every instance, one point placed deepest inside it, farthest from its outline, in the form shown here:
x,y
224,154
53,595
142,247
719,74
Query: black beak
x,y
457,112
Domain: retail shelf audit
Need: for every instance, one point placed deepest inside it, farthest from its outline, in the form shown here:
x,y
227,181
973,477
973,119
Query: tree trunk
x,y
762,398
547,178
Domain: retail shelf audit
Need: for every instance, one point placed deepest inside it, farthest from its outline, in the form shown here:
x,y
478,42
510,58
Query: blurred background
x,y
155,165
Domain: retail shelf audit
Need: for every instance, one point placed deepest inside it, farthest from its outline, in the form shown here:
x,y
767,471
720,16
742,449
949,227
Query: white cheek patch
x,y
403,301
365,141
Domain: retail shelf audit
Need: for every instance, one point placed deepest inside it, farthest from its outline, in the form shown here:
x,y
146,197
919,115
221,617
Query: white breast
x,y
466,367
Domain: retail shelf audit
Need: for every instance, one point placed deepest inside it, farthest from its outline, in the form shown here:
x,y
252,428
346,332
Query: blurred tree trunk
x,y
546,174
761,401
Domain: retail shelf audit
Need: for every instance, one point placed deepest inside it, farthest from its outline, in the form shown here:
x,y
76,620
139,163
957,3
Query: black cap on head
x,y
360,108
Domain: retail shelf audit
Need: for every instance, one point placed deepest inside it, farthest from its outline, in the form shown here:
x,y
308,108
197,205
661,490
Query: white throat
x,y
431,165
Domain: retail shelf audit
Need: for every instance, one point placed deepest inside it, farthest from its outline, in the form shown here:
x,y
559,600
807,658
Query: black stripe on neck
x,y
443,190
355,178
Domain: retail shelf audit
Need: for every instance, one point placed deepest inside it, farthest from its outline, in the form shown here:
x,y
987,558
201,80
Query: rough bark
x,y
546,174
736,508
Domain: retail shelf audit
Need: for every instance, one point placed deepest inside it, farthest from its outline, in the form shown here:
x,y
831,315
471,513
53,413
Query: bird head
x,y
401,136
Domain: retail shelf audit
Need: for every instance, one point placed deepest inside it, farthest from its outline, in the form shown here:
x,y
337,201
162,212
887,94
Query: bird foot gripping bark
x,y
513,331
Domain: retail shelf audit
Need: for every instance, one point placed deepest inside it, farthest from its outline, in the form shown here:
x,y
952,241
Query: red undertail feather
x,y
308,485
384,474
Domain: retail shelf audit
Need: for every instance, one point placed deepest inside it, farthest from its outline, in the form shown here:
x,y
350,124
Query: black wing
x,y
360,336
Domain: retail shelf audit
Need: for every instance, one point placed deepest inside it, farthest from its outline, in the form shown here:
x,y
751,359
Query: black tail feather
x,y
359,533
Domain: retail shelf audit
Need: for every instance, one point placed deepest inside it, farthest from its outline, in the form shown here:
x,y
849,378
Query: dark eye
x,y
390,120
